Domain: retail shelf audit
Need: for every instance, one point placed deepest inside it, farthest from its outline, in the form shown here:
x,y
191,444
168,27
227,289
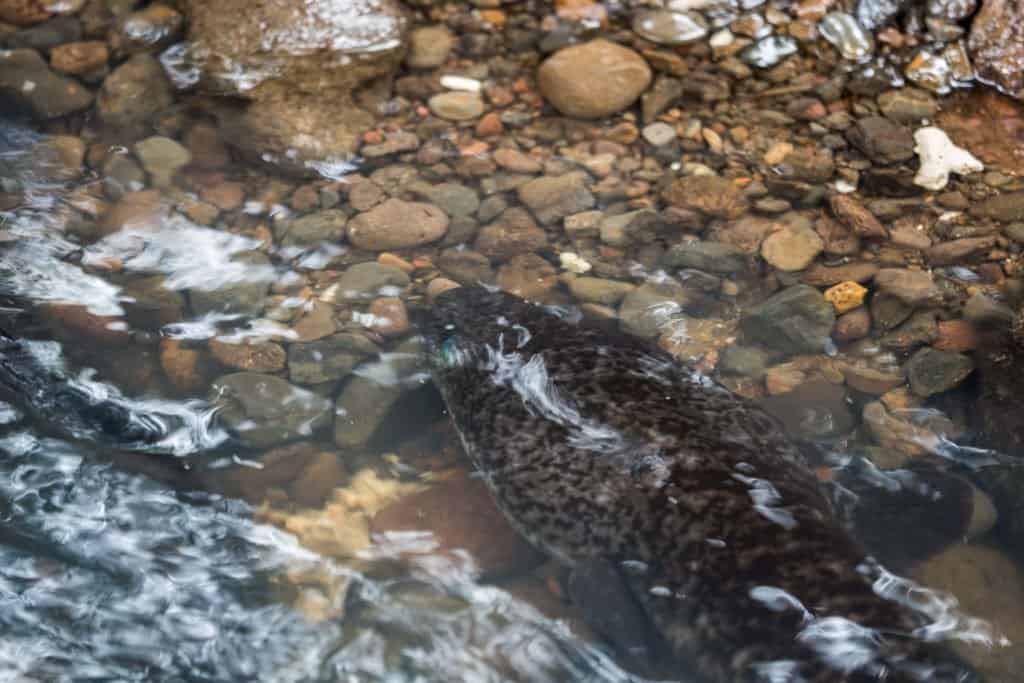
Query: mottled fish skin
x,y
600,446
58,403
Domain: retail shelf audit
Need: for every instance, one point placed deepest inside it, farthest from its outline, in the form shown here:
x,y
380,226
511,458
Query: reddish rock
x,y
389,316
712,195
260,357
79,58
853,215
461,515
225,196
24,12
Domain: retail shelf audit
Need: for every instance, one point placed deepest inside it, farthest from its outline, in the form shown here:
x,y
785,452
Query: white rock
x,y
461,83
940,157
574,263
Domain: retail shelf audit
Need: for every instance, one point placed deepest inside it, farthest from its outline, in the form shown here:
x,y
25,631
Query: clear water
x,y
151,567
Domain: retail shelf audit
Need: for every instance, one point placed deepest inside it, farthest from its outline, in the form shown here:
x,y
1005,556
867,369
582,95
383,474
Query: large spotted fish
x,y
682,508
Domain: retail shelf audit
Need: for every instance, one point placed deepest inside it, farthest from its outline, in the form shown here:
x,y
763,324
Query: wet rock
x,y
456,106
857,218
162,158
769,51
846,35
513,233
845,296
940,157
133,94
24,12
367,281
394,143
985,311
87,59
465,266
387,316
808,165
815,409
870,380
796,320
454,199
651,307
882,140
792,248
248,356
853,325
594,79
918,329
292,74
516,161
908,105
47,35
957,252
328,359
314,228
932,372
912,287
459,514
746,234
367,398
1006,207
669,28
246,296
746,361
711,257
397,224
599,291
552,198
134,209
27,82
988,586
429,46
184,367
996,43
712,195
528,276
263,410
148,30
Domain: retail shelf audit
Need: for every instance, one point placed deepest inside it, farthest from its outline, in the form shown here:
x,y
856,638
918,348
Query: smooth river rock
x,y
593,80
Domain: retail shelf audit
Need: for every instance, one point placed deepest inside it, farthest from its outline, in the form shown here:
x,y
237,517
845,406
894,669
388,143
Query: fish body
x,y
602,450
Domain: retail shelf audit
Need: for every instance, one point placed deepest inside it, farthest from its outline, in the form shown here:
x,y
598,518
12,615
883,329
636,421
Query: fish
x,y
681,507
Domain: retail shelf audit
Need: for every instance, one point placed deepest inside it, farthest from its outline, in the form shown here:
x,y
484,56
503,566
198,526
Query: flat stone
x,y
1005,207
456,106
932,372
27,82
314,228
912,287
365,281
429,46
882,140
957,252
513,233
797,319
134,93
712,195
328,359
792,248
162,158
649,308
263,410
599,291
857,218
366,399
397,224
552,198
249,357
710,257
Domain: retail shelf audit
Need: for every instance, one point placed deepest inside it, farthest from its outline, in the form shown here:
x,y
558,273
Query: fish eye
x,y
448,351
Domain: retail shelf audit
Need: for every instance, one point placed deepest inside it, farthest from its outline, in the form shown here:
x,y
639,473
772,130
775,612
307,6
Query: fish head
x,y
465,324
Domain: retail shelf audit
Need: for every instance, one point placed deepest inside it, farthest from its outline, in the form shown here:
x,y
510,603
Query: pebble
x,y
881,140
593,80
24,12
149,29
958,252
397,224
80,58
710,257
250,357
429,46
438,286
456,106
932,372
516,161
552,198
853,325
365,401
599,291
846,296
328,359
912,287
162,158
134,93
27,81
940,157
908,105
388,317
658,133
792,248
366,281
769,51
528,276
264,410
857,217
669,28
797,319
514,232
846,35
1007,207
709,194
650,308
